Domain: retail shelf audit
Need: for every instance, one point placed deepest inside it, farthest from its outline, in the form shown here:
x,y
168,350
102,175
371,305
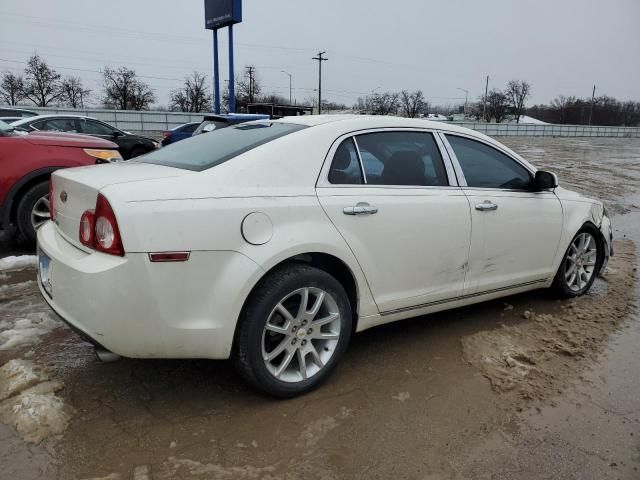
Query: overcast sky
x,y
559,46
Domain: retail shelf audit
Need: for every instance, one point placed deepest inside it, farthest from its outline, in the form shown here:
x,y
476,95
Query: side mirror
x,y
545,180
117,133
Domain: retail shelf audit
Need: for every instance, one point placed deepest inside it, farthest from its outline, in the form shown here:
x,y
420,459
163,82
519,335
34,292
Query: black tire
x,y
560,286
25,207
247,353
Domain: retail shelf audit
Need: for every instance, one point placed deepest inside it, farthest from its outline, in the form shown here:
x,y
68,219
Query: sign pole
x,y
232,87
216,73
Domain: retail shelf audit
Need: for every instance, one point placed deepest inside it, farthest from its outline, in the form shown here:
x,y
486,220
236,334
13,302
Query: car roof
x,y
44,117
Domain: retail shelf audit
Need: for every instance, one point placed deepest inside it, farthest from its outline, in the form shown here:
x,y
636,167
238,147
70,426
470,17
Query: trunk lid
x,y
75,190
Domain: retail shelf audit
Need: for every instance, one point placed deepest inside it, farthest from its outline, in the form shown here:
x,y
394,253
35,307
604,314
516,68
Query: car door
x,y
516,230
394,199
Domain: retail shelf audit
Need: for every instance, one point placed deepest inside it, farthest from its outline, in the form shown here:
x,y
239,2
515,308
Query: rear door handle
x,y
486,205
361,208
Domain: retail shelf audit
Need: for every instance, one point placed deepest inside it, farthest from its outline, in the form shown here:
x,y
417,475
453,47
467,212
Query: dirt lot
x,y
527,387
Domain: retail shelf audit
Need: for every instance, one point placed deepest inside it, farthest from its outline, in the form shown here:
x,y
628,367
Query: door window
x,y
57,125
486,167
402,158
92,127
345,168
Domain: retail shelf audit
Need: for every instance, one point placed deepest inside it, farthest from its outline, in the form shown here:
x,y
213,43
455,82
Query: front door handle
x,y
486,205
361,208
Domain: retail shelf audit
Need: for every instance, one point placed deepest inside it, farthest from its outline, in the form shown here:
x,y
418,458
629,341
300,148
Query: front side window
x,y
345,167
402,158
486,167
92,127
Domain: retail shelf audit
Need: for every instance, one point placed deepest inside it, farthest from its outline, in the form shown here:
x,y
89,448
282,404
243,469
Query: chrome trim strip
x,y
364,174
463,297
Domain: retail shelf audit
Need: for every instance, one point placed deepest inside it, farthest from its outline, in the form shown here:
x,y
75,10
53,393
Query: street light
x,y
466,96
290,76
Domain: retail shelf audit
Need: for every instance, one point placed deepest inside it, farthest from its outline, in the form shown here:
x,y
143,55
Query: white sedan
x,y
272,242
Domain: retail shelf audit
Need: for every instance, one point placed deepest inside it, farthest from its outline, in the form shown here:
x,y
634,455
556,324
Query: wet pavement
x,y
526,387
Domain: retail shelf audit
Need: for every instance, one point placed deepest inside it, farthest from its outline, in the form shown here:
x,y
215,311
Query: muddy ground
x,y
527,387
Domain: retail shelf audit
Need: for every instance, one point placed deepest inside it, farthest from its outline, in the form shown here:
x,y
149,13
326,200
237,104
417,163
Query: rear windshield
x,y
206,151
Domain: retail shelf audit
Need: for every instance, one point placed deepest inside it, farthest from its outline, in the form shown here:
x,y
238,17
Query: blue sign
x,y
222,13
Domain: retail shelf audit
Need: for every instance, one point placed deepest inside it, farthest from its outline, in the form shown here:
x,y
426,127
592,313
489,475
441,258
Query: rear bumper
x,y
137,308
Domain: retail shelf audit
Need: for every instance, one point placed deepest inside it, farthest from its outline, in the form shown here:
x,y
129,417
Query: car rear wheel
x,y
33,210
580,264
295,327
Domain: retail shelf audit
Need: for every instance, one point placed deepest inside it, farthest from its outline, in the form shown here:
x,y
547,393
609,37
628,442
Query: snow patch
x,y
29,403
17,263
25,330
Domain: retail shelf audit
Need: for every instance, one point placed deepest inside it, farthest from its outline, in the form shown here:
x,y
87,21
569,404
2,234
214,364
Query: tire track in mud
x,y
534,359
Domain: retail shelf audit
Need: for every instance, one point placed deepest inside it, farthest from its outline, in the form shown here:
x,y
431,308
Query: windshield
x,y
206,151
6,129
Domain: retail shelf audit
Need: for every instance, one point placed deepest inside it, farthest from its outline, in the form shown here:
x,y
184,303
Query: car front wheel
x,y
295,327
580,264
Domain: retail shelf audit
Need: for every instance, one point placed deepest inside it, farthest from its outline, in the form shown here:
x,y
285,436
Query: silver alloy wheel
x,y
40,212
580,262
301,334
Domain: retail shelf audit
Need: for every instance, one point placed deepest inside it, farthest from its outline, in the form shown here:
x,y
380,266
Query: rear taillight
x,y
51,209
87,228
165,134
99,229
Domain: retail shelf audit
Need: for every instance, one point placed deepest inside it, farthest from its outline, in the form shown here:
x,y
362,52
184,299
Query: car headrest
x,y
342,158
404,168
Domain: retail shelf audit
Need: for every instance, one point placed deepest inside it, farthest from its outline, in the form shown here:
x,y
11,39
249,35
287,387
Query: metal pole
x,y
593,96
216,74
290,76
320,60
484,106
232,86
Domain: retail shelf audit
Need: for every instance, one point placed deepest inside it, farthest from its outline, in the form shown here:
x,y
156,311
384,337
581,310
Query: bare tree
x,y
248,90
73,92
412,103
497,105
193,96
42,83
630,113
124,91
517,93
385,103
11,88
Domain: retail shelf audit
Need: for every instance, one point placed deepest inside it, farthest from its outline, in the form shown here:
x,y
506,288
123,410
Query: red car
x,y
26,162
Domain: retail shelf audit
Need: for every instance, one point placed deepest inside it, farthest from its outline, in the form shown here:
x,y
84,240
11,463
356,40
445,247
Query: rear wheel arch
x,y
328,263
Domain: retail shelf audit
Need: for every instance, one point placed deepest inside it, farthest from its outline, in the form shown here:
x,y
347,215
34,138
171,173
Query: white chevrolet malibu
x,y
271,243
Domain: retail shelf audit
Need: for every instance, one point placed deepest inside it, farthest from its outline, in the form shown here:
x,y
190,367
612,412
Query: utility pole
x,y
320,59
484,104
250,72
593,97
290,77
466,97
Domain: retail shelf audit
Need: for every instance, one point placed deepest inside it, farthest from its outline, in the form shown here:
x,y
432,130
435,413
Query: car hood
x,y
59,139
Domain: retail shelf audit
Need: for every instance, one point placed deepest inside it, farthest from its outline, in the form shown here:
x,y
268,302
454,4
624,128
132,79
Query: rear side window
x,y
206,151
58,125
402,158
486,167
345,167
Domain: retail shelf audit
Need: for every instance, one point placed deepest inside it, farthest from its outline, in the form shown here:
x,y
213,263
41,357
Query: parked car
x,y
129,144
272,242
26,163
178,133
10,120
17,112
214,122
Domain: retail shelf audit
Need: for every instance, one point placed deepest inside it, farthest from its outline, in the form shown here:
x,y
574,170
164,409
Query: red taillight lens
x,y
87,229
106,234
165,134
51,209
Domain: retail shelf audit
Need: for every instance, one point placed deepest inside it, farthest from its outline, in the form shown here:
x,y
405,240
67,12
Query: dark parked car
x,y
129,145
17,112
213,122
179,133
